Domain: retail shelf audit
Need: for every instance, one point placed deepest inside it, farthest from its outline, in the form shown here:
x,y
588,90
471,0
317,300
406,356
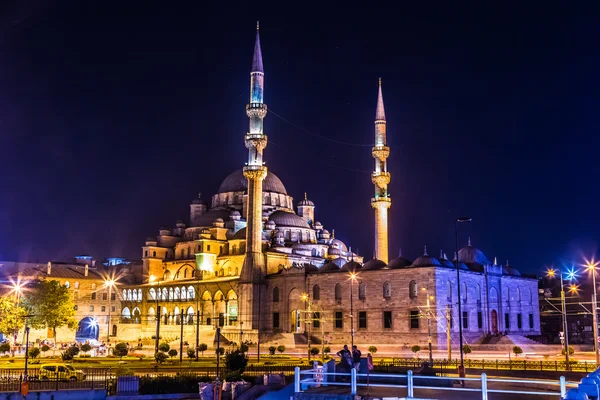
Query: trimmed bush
x,y
372,349
202,347
160,357
191,353
571,351
4,347
517,350
281,348
172,353
164,347
272,350
314,351
34,352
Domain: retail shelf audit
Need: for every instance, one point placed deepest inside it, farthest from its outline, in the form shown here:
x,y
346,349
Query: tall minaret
x,y
254,267
381,178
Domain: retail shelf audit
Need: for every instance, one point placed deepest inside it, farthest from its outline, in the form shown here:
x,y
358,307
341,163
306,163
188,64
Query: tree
x,y
220,351
11,316
327,350
52,306
244,348
571,351
467,349
120,350
4,347
236,362
69,353
202,347
372,349
517,350
164,347
160,357
45,348
34,352
314,351
416,349
86,347
191,353
172,353
272,350
281,348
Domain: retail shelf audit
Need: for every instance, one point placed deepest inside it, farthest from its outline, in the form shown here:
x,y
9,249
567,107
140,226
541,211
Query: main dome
x,y
236,182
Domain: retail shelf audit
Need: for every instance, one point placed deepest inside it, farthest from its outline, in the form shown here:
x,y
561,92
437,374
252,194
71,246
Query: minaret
x,y
254,267
381,178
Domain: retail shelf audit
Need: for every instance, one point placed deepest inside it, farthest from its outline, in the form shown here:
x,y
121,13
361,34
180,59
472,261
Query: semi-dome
x,y
399,262
470,254
284,218
329,267
338,244
241,235
237,182
351,266
374,264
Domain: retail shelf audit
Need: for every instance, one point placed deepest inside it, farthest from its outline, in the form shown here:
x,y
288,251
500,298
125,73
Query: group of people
x,y
349,359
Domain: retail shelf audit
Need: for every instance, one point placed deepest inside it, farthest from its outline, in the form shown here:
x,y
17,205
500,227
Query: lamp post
x,y
352,279
551,274
157,338
108,283
307,321
591,266
17,288
461,368
429,325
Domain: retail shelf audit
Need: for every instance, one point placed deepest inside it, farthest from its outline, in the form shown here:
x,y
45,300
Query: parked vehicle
x,y
61,372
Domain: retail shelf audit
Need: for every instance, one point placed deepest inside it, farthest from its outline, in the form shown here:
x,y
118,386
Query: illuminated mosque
x,y
254,262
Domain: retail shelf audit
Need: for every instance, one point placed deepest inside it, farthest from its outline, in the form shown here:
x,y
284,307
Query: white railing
x,y
318,377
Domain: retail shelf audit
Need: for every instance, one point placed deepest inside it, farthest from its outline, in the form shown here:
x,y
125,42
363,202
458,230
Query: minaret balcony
x,y
381,152
256,110
384,202
256,141
381,179
255,172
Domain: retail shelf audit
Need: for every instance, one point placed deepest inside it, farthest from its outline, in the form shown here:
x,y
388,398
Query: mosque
x,y
263,268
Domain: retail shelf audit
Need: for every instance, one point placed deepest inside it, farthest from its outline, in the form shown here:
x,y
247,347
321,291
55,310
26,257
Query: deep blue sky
x,y
113,115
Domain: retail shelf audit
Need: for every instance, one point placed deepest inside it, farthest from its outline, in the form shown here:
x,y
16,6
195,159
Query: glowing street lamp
x,y
461,368
352,279
308,319
551,273
157,294
424,289
591,266
109,283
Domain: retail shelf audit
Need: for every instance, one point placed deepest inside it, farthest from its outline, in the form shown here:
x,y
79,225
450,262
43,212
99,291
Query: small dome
x,y
305,202
318,225
470,254
237,182
446,263
374,264
241,235
425,260
270,225
205,231
284,218
329,267
340,262
336,243
325,232
333,251
198,200
219,220
508,270
311,268
351,266
399,262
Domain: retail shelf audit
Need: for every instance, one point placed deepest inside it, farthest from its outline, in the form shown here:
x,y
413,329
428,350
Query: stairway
x,y
520,340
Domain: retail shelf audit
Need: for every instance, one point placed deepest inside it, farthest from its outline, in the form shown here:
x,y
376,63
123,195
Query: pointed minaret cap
x,y
380,114
400,252
469,242
495,260
257,63
425,251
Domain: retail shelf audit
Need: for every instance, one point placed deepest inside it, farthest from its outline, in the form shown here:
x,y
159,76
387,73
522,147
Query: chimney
x,y
86,270
49,271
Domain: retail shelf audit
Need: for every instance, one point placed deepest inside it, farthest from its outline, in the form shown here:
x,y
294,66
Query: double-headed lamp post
x,y
551,273
109,283
308,320
352,279
424,289
154,279
461,368
591,266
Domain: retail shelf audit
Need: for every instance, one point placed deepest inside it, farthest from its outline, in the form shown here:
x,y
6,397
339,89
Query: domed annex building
x,y
253,261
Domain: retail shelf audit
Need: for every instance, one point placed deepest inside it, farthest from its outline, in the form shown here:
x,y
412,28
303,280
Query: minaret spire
x,y
257,63
381,178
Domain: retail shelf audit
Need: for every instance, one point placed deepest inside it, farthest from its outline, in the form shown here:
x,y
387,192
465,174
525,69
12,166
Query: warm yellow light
x,y
551,273
304,296
152,278
424,289
431,297
353,276
573,288
17,287
109,282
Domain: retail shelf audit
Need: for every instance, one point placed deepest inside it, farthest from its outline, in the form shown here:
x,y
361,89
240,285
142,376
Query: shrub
x,y
45,348
327,350
571,351
281,348
236,362
314,351
202,347
164,347
244,348
66,355
4,347
34,352
191,353
220,351
415,349
517,350
124,371
74,350
467,349
372,349
86,347
172,353
120,350
272,350
160,357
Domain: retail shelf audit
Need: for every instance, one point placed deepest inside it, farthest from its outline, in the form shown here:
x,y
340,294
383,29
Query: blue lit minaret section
x,y
254,267
381,178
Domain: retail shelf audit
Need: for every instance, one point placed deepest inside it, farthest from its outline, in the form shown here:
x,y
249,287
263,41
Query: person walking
x,y
356,358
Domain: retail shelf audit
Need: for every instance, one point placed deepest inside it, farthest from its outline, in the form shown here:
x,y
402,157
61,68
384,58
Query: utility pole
x,y
429,330
181,316
448,322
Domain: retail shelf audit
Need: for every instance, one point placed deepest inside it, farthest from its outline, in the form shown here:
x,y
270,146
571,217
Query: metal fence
x,y
92,378
517,365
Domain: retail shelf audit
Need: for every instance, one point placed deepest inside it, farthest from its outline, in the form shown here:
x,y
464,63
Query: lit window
x,y
339,321
387,290
91,308
103,308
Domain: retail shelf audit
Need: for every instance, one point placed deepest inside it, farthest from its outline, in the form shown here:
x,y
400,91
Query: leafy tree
x,y
11,316
202,347
372,349
236,361
327,350
172,353
191,353
120,350
416,349
467,349
517,350
164,347
314,351
69,353
272,350
34,352
4,347
52,306
244,348
74,350
160,357
86,347
45,348
281,348
220,351
571,351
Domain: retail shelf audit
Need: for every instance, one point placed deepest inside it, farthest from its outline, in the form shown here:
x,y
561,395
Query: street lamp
x,y
424,289
461,368
551,273
591,266
109,283
156,296
352,279
307,320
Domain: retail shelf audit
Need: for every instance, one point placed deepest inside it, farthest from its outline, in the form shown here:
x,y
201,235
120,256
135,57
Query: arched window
x,y
189,252
76,285
125,294
316,292
182,253
114,330
139,294
165,295
338,292
93,286
185,273
177,295
362,291
464,291
236,271
412,289
67,284
125,313
519,294
478,286
449,291
276,295
166,275
191,292
183,293
530,297
387,290
133,294
152,294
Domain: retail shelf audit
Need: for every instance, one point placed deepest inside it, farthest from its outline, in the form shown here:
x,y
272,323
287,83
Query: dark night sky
x,y
113,115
